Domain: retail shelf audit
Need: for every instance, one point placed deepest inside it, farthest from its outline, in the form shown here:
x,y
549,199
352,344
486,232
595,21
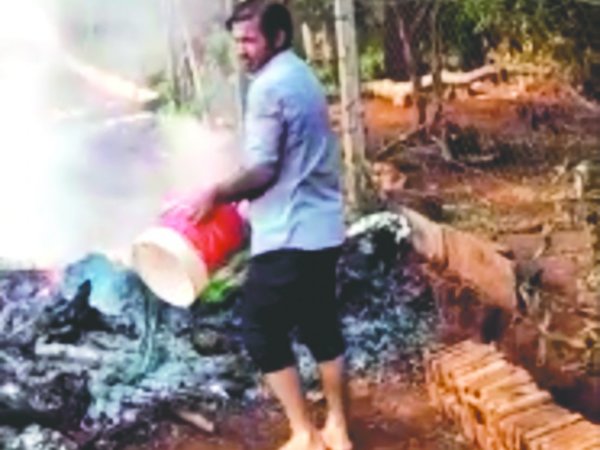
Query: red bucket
x,y
176,257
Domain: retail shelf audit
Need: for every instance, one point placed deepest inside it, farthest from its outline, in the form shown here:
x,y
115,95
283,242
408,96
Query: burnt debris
x,y
92,353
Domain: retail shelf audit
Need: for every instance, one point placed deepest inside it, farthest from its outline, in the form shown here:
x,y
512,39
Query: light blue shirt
x,y
287,123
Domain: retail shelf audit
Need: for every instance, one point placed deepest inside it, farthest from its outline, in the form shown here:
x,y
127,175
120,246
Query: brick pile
x,y
499,406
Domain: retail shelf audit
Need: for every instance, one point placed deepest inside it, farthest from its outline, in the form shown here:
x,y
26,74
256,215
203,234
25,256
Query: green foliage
x,y
218,290
314,12
227,280
461,36
170,102
328,76
198,90
371,62
218,51
557,28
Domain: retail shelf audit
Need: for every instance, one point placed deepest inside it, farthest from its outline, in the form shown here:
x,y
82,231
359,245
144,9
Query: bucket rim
x,y
187,266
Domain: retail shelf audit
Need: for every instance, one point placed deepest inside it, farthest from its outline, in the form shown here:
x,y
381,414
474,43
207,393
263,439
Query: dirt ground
x,y
529,202
498,110
502,203
391,415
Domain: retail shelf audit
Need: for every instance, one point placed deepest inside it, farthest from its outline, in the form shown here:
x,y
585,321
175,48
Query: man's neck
x,y
272,57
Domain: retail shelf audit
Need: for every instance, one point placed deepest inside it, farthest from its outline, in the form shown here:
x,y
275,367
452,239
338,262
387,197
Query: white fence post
x,y
353,132
239,82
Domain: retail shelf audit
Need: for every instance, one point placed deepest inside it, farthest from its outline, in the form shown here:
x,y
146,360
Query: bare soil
x,y
389,415
526,202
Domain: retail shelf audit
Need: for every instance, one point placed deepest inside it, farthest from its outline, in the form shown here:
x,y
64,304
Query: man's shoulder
x,y
290,86
265,86
286,68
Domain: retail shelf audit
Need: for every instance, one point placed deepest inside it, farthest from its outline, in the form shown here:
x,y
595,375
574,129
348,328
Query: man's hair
x,y
273,16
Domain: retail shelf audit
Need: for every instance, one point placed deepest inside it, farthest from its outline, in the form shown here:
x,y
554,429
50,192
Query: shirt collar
x,y
271,62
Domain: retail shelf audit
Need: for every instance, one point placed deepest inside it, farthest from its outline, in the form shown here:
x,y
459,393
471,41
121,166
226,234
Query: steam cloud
x,y
81,171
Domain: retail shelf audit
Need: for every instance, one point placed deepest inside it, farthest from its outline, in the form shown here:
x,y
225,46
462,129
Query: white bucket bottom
x,y
170,266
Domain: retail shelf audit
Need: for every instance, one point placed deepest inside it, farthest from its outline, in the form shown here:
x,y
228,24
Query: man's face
x,y
250,44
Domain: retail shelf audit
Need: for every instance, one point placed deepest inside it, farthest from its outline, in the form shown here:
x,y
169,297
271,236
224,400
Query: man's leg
x,y
335,432
286,385
320,329
267,318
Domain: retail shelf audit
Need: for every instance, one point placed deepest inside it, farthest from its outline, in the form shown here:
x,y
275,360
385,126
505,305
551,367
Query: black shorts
x,y
289,290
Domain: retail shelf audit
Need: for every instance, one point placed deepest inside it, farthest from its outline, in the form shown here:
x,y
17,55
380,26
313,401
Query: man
x,y
291,176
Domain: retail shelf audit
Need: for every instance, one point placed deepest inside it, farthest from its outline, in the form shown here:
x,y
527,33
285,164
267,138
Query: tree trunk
x,y
436,66
394,61
308,42
351,105
409,28
409,56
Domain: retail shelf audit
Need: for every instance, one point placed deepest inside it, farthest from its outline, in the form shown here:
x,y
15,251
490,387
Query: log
x,y
399,91
476,261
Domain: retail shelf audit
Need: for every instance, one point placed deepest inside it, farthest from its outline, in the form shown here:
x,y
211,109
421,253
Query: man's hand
x,y
244,184
202,203
194,206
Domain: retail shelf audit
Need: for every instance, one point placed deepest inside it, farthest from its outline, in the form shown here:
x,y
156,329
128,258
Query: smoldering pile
x,y
90,358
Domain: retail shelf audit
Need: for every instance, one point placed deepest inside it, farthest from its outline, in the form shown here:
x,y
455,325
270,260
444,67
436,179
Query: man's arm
x,y
263,141
265,135
247,183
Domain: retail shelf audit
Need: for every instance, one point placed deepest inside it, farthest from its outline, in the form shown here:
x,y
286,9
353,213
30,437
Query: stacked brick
x,y
498,406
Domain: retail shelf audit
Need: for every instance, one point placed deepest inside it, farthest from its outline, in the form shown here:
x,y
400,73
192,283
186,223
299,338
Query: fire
x,y
110,83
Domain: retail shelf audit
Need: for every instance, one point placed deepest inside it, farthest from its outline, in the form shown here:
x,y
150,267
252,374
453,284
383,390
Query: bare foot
x,y
304,441
336,437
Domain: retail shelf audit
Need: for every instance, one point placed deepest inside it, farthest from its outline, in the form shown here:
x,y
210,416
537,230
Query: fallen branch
x,y
399,91
197,420
69,352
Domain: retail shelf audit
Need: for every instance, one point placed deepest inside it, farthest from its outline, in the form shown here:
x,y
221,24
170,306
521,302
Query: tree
x,y
561,29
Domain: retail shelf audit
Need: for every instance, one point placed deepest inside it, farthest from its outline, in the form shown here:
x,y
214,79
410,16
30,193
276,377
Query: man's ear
x,y
280,39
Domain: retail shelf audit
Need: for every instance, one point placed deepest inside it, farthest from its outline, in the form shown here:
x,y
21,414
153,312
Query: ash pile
x,y
91,359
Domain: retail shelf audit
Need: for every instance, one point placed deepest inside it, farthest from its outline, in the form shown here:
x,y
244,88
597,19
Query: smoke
x,y
134,37
82,169
124,36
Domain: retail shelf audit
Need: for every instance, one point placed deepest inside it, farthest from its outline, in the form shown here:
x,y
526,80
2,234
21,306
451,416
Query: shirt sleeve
x,y
263,128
